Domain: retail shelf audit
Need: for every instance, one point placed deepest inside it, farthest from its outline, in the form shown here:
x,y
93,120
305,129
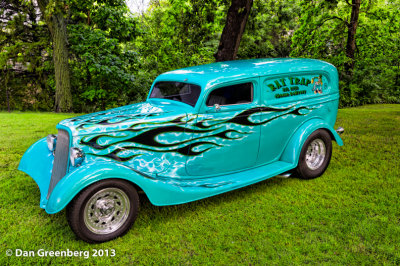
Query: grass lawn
x,y
350,215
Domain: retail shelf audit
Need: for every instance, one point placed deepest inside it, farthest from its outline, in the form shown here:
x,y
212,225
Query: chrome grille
x,y
60,163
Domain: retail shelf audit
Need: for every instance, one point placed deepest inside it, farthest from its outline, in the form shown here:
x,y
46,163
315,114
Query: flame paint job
x,y
178,153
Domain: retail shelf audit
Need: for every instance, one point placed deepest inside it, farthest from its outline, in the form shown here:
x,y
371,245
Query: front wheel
x,y
315,155
103,211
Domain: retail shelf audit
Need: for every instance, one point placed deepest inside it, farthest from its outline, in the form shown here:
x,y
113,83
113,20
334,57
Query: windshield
x,y
177,91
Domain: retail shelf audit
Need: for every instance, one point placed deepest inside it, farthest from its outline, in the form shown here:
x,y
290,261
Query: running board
x,y
182,190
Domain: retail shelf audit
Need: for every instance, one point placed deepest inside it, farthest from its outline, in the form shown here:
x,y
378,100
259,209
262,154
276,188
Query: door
x,y
229,133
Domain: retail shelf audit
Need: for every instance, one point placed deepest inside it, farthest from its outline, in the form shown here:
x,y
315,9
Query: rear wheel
x,y
315,155
103,211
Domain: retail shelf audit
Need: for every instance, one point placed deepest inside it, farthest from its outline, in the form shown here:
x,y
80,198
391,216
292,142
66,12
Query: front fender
x,y
71,184
37,162
292,151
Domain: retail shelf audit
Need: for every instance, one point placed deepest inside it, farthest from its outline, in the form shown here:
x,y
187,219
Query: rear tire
x,y
315,155
103,211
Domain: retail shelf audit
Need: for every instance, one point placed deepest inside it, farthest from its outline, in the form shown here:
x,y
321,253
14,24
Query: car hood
x,y
134,116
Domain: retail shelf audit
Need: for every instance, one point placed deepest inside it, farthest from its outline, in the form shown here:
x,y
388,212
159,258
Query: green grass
x,y
350,215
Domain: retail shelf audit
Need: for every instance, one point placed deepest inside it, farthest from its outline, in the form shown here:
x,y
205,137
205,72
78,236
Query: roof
x,y
215,73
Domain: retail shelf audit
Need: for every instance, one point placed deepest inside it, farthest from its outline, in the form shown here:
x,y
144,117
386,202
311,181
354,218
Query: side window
x,y
235,94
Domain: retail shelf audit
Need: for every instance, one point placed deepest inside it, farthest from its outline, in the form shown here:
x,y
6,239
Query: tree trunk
x,y
351,36
61,68
236,20
58,30
8,100
5,75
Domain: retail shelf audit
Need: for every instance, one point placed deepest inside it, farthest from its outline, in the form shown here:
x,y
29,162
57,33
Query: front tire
x,y
315,155
103,211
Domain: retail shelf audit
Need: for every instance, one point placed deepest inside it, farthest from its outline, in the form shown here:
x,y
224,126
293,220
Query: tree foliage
x,y
176,34
24,57
114,55
179,33
323,34
103,68
270,29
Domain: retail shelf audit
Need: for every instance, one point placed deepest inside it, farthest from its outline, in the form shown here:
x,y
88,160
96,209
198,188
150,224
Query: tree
x,y
236,20
351,35
99,58
269,29
176,34
24,60
179,33
54,17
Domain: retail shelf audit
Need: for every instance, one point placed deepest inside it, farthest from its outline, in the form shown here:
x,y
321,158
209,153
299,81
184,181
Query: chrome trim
x,y
76,156
60,164
340,130
284,175
51,142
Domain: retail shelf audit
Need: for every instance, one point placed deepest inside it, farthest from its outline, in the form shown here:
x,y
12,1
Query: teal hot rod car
x,y
202,131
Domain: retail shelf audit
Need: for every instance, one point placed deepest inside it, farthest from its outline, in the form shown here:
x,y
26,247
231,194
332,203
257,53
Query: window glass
x,y
235,94
177,91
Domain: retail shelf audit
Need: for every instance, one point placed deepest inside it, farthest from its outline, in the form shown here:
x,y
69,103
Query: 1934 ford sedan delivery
x,y
202,131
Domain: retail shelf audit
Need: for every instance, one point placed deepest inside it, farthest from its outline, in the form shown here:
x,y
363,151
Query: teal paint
x,y
178,153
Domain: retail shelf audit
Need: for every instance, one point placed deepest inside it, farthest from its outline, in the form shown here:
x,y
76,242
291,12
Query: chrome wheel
x,y
315,155
106,211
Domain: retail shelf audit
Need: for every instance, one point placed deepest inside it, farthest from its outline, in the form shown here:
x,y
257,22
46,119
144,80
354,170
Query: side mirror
x,y
217,107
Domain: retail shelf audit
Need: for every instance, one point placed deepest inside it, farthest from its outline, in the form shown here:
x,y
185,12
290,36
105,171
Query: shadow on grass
x,y
159,214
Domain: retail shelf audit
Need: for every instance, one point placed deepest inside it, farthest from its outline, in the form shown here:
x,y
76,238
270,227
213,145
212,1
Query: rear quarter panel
x,y
304,95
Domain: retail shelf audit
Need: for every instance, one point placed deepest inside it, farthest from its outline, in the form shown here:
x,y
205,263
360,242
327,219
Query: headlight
x,y
51,142
76,156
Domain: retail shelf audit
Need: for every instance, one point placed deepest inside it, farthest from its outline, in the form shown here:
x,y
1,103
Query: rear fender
x,y
292,151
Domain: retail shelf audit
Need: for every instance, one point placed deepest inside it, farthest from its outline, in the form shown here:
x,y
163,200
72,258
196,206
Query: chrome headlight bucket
x,y
76,156
51,142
